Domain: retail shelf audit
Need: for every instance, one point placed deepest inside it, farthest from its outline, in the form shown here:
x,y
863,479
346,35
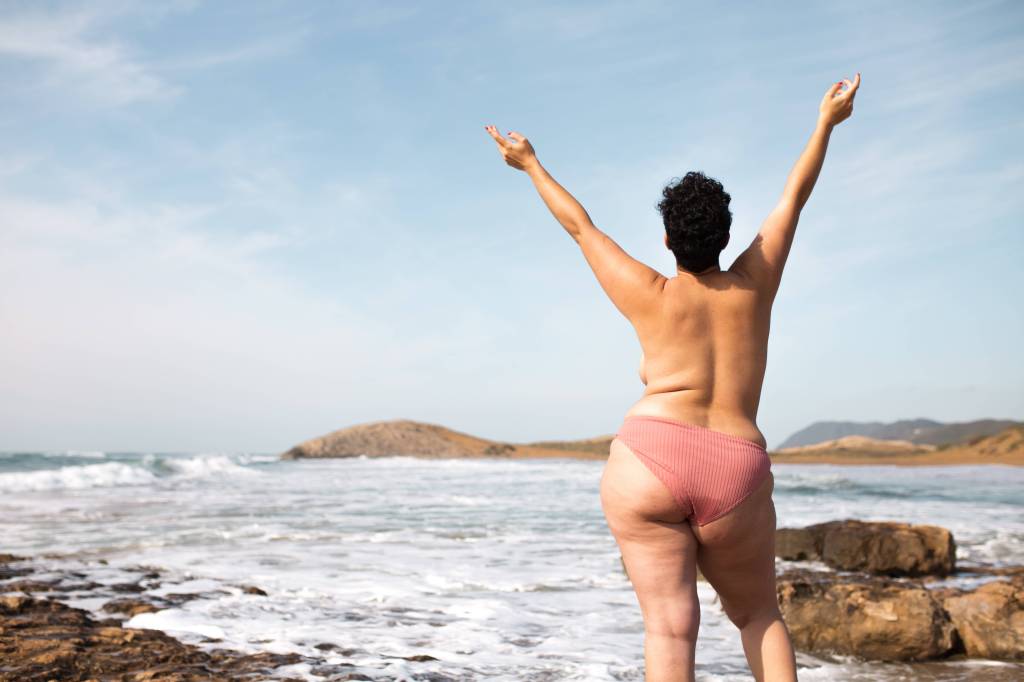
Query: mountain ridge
x,y
920,431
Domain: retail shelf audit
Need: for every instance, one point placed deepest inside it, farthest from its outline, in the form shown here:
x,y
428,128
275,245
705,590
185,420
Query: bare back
x,y
705,350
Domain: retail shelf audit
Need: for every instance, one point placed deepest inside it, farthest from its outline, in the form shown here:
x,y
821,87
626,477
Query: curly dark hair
x,y
697,218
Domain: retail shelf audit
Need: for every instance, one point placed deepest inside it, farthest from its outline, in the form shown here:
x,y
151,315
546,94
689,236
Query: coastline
x,y
404,437
938,458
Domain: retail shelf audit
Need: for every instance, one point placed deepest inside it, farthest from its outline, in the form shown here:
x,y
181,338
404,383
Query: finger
x,y
834,89
856,83
502,142
516,136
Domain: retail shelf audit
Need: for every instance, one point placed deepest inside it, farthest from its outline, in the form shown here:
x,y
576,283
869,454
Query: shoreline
x,y
926,459
45,633
45,636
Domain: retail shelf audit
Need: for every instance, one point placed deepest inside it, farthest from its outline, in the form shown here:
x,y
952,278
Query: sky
x,y
233,226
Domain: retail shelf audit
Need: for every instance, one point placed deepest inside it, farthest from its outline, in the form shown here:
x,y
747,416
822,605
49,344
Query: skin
x,y
704,339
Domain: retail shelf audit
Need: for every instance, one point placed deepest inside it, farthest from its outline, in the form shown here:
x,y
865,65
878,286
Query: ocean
x,y
495,569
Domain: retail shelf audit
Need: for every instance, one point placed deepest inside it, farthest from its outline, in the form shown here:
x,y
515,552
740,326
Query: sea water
x,y
498,569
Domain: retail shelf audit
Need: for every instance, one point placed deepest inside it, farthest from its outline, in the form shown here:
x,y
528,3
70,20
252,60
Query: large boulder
x,y
871,617
990,619
882,548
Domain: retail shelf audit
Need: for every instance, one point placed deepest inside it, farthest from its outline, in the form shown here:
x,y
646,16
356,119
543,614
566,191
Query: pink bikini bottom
x,y
708,472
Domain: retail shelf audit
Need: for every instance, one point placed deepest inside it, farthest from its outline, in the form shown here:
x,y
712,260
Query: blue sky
x,y
234,226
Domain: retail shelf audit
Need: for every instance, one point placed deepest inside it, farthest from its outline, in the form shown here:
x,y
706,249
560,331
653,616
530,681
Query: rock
x,y
13,604
796,544
882,548
990,619
29,585
130,606
46,640
127,587
10,571
871,617
252,589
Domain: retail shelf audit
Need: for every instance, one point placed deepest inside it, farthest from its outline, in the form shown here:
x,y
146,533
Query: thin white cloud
x,y
266,47
74,60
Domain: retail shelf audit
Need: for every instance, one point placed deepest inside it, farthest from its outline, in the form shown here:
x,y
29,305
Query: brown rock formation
x,y
882,548
861,444
42,639
990,619
407,437
45,640
875,618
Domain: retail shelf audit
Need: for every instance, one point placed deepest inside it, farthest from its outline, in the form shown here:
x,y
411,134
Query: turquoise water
x,y
501,570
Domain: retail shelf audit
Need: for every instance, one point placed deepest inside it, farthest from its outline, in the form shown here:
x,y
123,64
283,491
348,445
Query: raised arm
x,y
763,261
632,286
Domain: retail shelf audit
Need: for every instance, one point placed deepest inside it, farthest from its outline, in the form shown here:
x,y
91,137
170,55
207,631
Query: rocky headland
x,y
419,439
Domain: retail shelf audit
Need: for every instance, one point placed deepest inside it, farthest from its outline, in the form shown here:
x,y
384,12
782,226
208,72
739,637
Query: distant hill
x,y
1004,447
594,446
920,431
420,439
860,444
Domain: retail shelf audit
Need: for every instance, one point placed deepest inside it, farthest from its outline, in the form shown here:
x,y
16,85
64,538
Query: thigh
x,y
658,547
737,554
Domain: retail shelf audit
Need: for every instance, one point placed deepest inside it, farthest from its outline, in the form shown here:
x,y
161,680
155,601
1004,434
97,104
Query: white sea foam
x,y
206,465
172,620
107,474
150,469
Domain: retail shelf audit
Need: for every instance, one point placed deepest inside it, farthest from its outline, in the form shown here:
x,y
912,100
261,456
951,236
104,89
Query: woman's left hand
x,y
517,152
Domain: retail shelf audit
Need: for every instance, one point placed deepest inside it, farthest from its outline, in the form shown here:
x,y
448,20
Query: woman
x,y
688,481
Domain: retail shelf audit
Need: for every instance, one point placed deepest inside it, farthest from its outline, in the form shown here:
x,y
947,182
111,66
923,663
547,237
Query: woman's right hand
x,y
837,106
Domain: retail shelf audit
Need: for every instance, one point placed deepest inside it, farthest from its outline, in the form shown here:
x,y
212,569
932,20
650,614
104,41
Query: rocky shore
x,y
889,592
44,639
880,591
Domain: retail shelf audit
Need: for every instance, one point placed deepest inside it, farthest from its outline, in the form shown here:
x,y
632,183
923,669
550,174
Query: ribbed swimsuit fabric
x,y
708,472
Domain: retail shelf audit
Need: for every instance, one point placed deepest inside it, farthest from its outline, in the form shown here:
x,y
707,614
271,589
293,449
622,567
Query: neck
x,y
706,271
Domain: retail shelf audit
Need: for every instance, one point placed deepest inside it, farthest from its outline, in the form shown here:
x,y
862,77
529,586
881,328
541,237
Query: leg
x,y
659,553
737,556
